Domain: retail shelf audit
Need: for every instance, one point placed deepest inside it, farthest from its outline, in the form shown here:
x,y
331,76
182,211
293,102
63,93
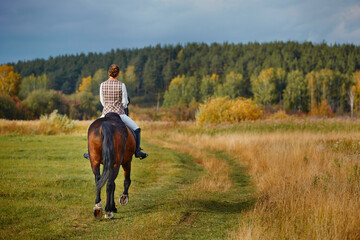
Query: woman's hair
x,y
114,70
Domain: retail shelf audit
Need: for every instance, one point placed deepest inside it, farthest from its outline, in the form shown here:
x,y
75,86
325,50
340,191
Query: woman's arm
x,y
101,96
124,100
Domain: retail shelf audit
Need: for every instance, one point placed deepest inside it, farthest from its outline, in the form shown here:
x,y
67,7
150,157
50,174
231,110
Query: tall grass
x,y
56,122
308,181
52,124
307,190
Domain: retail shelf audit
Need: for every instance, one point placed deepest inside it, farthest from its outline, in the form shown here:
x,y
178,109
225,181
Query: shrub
x,y
281,114
179,112
44,102
12,108
56,123
244,109
223,109
8,108
83,105
323,110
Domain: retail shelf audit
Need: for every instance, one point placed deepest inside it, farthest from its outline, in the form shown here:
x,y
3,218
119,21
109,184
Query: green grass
x,y
48,192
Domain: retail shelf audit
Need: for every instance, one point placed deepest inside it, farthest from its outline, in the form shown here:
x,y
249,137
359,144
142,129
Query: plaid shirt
x,y
112,96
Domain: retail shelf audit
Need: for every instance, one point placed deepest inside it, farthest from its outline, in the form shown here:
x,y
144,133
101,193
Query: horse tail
x,y
108,154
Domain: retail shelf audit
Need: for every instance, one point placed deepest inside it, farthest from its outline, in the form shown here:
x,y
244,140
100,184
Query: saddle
x,y
116,118
113,116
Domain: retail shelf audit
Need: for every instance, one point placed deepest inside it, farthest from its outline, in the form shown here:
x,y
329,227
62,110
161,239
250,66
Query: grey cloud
x,y
41,28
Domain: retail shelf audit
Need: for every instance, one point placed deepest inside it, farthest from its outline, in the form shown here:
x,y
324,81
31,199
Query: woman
x,y
113,97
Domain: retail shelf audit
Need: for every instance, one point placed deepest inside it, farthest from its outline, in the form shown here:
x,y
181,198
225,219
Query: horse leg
x,y
124,199
112,201
97,208
127,181
110,189
97,177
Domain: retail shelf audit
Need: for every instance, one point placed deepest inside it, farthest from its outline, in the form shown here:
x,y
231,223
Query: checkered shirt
x,y
112,95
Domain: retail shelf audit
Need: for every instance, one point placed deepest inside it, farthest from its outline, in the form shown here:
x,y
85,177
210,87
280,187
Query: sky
x,y
31,29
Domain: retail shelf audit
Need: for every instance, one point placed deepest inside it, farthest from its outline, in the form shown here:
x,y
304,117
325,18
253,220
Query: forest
x,y
297,77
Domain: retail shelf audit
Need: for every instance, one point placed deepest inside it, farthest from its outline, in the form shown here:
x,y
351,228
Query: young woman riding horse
x,y
111,142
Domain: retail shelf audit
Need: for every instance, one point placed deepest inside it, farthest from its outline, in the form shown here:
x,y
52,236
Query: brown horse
x,y
112,144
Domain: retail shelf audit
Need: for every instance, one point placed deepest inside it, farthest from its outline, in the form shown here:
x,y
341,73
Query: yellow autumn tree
x,y
263,86
310,78
175,92
356,90
180,54
9,80
85,85
320,87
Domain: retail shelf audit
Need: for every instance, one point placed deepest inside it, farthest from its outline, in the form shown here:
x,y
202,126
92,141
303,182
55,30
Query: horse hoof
x,y
124,199
114,210
109,215
97,212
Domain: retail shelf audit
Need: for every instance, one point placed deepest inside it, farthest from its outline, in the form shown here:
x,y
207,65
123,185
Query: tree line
x,y
299,76
322,92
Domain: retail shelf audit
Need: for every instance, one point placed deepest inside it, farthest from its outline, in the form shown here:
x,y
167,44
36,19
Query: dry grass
x,y
309,188
308,181
39,127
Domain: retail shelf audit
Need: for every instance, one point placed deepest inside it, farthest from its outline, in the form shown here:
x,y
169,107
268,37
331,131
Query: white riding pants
x,y
128,121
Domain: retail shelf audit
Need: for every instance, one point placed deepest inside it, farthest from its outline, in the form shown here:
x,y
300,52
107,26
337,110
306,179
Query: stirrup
x,y
86,155
141,155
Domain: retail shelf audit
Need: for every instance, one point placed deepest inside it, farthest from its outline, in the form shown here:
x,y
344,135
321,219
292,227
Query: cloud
x,y
352,13
345,25
41,28
342,34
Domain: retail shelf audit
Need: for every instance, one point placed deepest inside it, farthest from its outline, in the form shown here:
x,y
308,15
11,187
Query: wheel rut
x,y
214,202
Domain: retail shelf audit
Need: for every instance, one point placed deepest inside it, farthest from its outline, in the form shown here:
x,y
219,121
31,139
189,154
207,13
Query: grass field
x,y
48,192
254,180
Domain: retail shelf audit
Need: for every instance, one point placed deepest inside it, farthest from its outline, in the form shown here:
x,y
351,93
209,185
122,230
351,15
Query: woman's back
x,y
111,91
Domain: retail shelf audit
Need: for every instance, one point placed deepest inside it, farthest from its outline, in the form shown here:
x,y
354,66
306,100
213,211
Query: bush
x,y
179,112
8,108
56,123
44,102
12,108
323,110
83,105
281,114
223,109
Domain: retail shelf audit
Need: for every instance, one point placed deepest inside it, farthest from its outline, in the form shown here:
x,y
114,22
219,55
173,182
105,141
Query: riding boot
x,y
138,152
